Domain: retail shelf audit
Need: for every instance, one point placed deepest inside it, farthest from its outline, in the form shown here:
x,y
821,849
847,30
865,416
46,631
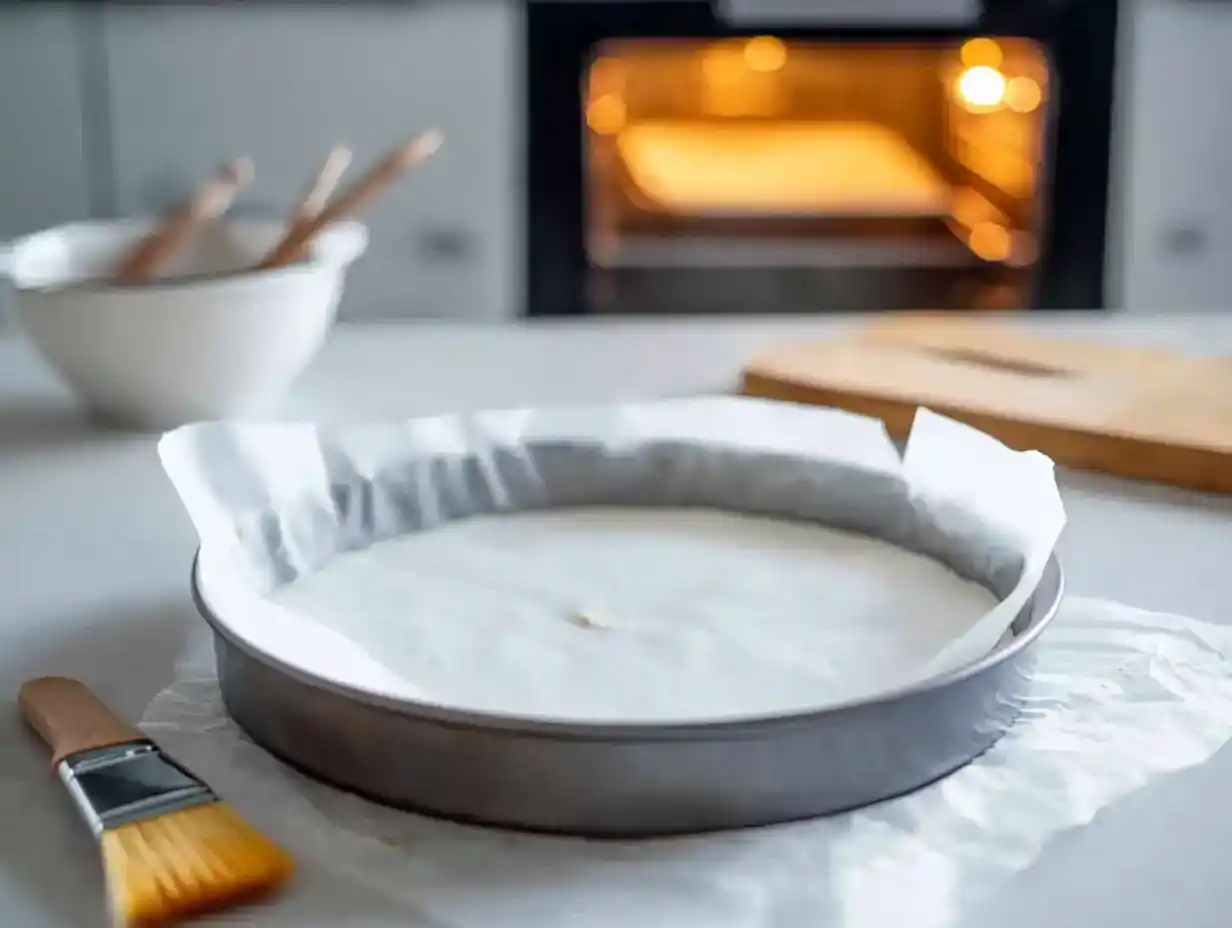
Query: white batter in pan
x,y
638,614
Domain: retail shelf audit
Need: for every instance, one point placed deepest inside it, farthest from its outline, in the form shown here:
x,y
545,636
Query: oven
x,y
716,156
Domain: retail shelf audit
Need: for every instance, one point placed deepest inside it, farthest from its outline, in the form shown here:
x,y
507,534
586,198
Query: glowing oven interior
x,y
849,164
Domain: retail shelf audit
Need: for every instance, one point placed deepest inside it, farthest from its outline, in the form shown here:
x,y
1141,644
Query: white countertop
x,y
95,551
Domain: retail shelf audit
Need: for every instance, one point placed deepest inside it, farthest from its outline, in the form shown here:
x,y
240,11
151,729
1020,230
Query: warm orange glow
x,y
982,87
1023,95
606,114
608,75
990,241
981,53
780,168
765,54
1000,147
732,89
969,207
721,64
763,126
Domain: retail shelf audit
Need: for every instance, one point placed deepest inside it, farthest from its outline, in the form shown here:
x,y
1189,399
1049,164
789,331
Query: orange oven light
x,y
765,54
1023,95
981,53
981,87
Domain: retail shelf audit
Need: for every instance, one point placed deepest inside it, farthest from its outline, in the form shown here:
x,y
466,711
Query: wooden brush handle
x,y
355,197
211,200
70,718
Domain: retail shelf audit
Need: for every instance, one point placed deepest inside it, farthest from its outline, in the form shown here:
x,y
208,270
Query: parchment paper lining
x,y
272,502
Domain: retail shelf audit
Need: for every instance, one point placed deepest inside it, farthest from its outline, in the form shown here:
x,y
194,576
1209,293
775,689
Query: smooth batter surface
x,y
638,614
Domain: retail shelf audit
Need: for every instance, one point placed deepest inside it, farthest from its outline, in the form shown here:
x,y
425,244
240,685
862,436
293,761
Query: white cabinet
x,y
1173,222
193,85
43,175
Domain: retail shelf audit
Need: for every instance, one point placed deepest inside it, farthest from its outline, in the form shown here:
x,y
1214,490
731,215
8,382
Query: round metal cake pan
x,y
639,780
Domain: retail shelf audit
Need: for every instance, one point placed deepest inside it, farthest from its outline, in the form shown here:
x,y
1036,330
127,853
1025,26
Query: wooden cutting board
x,y
1134,412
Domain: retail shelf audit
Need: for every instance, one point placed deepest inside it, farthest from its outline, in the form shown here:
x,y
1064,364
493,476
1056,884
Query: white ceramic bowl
x,y
218,343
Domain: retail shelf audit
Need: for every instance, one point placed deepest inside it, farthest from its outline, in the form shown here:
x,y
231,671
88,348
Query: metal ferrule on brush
x,y
129,783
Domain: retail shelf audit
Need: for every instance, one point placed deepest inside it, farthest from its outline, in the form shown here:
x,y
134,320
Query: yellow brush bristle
x,y
188,863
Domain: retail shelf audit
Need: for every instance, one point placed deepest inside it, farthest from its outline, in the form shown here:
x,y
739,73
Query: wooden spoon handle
x,y
359,194
314,197
211,200
322,187
70,718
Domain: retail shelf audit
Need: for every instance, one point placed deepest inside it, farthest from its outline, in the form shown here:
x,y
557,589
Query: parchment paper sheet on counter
x,y
1121,698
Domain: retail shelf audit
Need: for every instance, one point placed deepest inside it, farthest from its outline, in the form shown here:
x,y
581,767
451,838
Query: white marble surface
x,y
94,555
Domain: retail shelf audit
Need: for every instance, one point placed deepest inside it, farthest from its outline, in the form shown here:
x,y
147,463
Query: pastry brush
x,y
171,848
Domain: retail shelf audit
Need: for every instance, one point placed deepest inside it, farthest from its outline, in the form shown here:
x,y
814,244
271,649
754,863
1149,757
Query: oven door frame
x,y
1079,37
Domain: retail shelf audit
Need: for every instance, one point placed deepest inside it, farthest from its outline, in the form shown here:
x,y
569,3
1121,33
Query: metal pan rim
x,y
750,727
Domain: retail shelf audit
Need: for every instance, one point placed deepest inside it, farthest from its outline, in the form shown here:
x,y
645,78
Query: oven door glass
x,y
681,161
762,174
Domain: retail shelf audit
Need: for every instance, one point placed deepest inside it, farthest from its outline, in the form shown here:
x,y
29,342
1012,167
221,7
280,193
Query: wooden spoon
x,y
406,156
315,196
209,202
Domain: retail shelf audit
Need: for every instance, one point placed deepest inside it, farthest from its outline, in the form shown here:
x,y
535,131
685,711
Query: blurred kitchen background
x,y
667,156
